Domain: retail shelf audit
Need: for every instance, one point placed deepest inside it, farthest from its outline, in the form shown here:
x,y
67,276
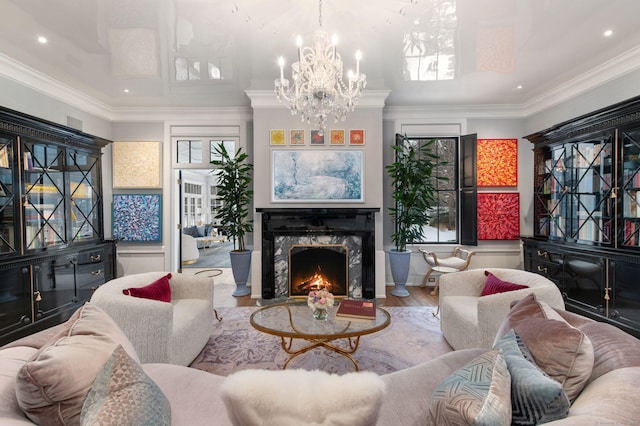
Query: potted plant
x,y
413,194
234,180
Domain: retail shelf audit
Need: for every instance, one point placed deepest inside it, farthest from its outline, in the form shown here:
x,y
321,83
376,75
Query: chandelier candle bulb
x,y
281,63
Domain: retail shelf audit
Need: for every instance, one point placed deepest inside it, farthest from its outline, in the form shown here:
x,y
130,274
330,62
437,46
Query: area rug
x,y
412,337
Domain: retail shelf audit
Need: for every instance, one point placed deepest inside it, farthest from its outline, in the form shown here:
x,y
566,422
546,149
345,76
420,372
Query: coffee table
x,y
294,320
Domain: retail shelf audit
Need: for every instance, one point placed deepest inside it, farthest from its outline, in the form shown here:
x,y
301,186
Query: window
x,y
192,214
452,217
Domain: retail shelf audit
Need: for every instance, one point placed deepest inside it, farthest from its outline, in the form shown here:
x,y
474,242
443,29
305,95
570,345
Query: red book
x,y
359,309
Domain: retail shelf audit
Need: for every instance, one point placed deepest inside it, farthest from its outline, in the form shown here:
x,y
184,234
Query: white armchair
x,y
468,320
190,253
163,332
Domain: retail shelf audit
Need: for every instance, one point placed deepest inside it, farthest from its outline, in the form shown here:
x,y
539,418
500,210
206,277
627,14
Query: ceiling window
x,y
430,45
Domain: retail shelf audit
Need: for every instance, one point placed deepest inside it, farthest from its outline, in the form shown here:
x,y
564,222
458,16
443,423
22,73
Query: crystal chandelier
x,y
318,90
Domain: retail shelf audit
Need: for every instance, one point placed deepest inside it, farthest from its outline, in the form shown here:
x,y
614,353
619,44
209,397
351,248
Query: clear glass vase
x,y
320,313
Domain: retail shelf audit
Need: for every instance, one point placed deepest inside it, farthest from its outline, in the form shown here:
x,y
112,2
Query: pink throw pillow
x,y
157,290
496,285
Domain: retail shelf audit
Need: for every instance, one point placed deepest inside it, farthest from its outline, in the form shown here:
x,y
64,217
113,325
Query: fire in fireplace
x,y
312,267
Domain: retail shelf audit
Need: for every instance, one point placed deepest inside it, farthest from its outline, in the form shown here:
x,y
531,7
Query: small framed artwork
x,y
499,216
136,165
497,162
277,137
336,137
356,137
297,137
137,218
317,137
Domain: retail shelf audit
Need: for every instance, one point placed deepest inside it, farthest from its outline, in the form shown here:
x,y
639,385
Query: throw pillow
x,y
300,397
535,397
122,394
562,351
157,290
477,394
52,385
495,285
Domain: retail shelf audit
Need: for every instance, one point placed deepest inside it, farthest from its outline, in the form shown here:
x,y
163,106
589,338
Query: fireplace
x,y
348,232
316,266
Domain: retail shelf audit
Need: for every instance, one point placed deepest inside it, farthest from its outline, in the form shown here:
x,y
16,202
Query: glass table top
x,y
295,319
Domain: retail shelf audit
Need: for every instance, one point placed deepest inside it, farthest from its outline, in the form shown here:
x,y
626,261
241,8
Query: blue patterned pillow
x,y
535,397
476,394
123,394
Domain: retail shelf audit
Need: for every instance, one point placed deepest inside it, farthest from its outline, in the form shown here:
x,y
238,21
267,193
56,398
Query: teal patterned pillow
x,y
476,394
122,394
535,397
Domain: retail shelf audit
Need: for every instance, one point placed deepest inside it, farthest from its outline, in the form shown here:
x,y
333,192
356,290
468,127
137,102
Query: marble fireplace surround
x,y
284,227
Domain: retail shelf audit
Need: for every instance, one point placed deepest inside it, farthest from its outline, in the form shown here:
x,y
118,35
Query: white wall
x,y
276,116
138,258
379,137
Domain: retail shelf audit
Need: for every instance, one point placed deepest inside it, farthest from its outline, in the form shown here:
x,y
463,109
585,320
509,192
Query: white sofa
x,y
172,333
470,321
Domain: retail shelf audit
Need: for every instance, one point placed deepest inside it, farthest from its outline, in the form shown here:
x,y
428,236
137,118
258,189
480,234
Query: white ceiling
x,y
101,47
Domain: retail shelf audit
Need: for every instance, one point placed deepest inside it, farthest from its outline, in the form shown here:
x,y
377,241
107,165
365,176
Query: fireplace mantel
x,y
301,222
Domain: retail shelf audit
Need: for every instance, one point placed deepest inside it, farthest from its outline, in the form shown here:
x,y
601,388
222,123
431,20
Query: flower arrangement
x,y
320,299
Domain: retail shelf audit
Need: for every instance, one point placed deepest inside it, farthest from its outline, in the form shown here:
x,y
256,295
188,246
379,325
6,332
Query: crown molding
x,y
137,114
454,111
603,73
41,83
268,99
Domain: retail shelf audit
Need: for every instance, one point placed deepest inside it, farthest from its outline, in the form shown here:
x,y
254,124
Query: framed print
x,y
499,216
336,137
137,218
497,163
317,137
297,137
327,176
356,137
136,165
277,137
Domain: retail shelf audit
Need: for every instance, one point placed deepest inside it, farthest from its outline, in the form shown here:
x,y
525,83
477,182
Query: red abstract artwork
x,y
497,162
498,216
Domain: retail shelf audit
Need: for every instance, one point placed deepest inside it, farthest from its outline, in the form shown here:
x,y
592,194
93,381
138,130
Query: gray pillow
x,y
122,394
535,397
476,394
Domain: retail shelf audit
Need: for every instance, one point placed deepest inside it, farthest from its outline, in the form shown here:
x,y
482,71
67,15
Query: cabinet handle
x,y
98,272
542,253
541,269
95,258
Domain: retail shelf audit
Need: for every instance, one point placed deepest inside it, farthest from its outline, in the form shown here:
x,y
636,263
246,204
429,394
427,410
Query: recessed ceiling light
x,y
126,90
42,40
608,33
519,86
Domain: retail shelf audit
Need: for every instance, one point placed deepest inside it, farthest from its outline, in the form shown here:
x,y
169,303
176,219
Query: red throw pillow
x,y
157,290
496,285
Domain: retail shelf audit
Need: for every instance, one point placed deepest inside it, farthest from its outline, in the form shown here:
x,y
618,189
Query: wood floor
x,y
224,287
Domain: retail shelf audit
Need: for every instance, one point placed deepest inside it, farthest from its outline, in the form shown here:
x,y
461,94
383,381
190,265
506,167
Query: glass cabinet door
x,y
551,199
591,191
630,187
84,196
43,205
9,200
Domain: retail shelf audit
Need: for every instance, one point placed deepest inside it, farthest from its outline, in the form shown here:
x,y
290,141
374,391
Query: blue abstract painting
x,y
317,176
137,218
